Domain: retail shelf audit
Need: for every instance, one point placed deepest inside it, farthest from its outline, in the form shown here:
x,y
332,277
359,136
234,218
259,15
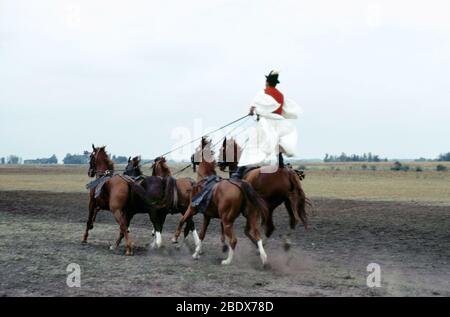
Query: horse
x,y
114,195
229,198
133,168
124,197
282,186
184,189
159,196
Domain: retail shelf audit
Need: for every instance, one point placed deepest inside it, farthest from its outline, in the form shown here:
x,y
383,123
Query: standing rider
x,y
273,134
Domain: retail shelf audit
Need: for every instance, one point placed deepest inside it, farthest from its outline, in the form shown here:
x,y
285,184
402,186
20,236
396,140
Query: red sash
x,y
278,96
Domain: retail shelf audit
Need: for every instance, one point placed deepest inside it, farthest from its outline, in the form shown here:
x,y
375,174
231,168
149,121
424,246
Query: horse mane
x,y
106,159
162,164
207,166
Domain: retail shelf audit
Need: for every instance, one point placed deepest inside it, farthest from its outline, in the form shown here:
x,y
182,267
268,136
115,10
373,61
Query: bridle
x,y
93,170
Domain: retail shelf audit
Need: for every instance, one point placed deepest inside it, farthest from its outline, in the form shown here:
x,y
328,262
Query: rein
x,y
206,134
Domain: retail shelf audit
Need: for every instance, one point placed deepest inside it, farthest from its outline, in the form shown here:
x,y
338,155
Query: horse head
x,y
99,162
133,167
204,158
160,167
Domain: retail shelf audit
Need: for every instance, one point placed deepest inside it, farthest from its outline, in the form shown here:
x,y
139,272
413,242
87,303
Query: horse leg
x,y
190,227
157,222
270,225
121,235
222,238
252,232
232,241
162,218
123,230
198,248
289,202
91,219
188,214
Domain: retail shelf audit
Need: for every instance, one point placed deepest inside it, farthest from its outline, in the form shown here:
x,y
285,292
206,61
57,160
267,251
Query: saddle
x,y
100,182
202,199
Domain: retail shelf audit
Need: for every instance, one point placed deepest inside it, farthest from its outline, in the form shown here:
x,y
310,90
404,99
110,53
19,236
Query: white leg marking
x,y
196,238
158,239
262,253
230,256
198,250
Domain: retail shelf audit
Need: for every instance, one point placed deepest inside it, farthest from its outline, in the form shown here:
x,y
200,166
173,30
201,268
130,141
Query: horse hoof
x,y
84,242
111,248
224,248
226,262
264,261
174,241
129,253
195,256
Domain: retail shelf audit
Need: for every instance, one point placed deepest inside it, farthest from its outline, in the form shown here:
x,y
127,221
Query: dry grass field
x,y
428,186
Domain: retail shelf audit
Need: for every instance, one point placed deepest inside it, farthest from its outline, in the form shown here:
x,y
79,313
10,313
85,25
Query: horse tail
x,y
171,192
302,201
256,204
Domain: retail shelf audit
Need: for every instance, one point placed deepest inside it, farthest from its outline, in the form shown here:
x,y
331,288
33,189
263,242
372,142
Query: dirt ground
x,y
40,235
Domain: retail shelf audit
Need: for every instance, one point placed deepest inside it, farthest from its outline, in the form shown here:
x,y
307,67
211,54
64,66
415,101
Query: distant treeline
x,y
444,157
84,158
12,159
51,160
69,159
366,157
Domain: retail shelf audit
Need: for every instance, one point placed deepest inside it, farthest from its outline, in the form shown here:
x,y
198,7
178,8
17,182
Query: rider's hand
x,y
252,110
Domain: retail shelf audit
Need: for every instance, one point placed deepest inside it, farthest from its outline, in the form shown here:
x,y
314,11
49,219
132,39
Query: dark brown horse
x,y
158,198
229,199
278,186
184,189
113,197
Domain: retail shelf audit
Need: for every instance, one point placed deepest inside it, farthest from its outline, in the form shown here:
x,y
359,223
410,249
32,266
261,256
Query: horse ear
x,y
103,148
129,159
93,147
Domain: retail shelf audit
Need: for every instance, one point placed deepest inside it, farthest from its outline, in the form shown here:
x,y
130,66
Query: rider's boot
x,y
280,160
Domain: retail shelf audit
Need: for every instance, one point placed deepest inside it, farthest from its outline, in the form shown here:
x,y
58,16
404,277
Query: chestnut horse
x,y
276,187
229,199
113,197
184,189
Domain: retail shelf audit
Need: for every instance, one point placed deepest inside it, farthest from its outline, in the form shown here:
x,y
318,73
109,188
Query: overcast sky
x,y
369,75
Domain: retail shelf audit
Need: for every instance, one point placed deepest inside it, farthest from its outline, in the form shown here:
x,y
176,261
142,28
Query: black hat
x,y
272,78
